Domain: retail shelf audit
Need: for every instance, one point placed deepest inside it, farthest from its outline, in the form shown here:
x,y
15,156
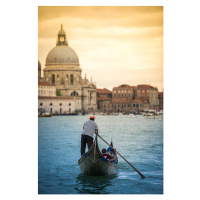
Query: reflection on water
x,y
94,184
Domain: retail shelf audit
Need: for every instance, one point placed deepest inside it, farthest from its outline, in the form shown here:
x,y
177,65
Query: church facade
x,y
63,70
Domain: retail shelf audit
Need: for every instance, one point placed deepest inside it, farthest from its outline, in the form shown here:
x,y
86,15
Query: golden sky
x,y
115,44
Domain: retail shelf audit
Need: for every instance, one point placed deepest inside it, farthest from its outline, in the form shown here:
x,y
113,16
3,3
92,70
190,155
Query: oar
x,y
124,158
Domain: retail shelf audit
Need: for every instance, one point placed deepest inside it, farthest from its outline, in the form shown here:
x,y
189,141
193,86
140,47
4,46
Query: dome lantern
x,y
62,53
61,37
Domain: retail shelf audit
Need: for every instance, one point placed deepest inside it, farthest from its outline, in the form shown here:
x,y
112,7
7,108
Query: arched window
x,y
74,93
60,104
41,104
71,79
53,79
50,104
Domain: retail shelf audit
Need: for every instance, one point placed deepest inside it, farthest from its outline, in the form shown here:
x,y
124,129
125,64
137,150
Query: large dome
x,y
62,54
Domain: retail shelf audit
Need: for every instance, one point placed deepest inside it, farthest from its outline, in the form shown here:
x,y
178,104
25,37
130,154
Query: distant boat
x,y
131,115
115,113
45,115
94,163
148,113
62,114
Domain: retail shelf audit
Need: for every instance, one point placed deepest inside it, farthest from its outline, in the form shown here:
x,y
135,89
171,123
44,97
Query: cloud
x,y
115,45
147,13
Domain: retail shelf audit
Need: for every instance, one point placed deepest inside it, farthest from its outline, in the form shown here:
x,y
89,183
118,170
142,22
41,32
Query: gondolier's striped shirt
x,y
89,128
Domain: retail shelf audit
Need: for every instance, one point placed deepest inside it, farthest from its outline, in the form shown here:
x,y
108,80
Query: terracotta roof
x,y
45,83
145,86
123,86
57,97
103,91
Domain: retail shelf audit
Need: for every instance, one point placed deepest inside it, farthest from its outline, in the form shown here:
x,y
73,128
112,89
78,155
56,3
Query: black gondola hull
x,y
92,164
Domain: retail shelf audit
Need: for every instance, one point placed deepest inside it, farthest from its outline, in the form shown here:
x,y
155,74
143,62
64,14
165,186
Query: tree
x,y
58,93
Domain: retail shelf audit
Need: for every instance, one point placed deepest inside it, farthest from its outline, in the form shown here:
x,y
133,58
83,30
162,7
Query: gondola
x,y
94,163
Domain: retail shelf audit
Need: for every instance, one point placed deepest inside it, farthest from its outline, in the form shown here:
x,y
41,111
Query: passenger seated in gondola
x,y
109,154
113,156
105,154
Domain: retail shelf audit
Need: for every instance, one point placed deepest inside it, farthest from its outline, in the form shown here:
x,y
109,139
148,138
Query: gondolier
x,y
89,128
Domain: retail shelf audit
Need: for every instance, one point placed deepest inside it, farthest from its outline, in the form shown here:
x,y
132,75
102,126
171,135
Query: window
x,y
41,104
50,104
53,78
74,93
62,39
71,79
57,75
69,104
60,104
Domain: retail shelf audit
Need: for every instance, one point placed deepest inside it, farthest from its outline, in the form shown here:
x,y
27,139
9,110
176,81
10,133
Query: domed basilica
x,y
62,70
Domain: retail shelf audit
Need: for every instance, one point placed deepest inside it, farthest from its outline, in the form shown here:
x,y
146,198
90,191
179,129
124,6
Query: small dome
x,y
39,66
62,55
61,32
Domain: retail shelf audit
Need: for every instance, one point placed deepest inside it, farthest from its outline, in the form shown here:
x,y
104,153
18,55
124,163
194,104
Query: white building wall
x,y
58,106
46,90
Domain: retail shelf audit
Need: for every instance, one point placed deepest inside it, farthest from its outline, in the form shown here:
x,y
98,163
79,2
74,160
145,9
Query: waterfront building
x,y
46,90
104,98
160,97
49,102
62,69
124,99
56,104
149,95
134,99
